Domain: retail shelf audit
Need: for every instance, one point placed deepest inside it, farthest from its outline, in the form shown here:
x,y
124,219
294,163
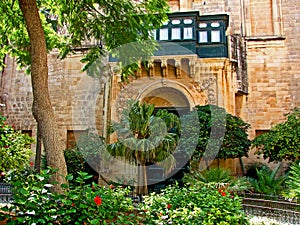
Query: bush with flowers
x,y
191,205
83,204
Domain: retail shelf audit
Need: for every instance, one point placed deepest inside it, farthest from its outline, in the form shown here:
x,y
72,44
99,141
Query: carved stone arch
x,y
167,94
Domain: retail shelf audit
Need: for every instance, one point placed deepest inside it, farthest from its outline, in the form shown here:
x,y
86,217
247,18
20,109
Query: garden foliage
x,y
221,135
34,203
194,205
268,181
283,140
15,148
220,177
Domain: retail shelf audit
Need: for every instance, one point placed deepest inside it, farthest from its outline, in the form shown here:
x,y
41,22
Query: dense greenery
x,y
79,204
193,205
15,148
283,140
221,135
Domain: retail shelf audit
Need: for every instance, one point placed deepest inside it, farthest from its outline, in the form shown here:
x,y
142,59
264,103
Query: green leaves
x,y
15,149
35,203
283,140
201,204
293,182
71,24
221,135
145,137
268,181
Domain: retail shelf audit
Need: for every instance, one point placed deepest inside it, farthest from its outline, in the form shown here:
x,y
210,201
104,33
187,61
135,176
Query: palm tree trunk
x,y
42,107
145,184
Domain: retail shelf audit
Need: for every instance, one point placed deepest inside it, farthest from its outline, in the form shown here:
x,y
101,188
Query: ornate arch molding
x,y
166,86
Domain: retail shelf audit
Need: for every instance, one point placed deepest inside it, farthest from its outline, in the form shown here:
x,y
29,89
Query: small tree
x,y
145,138
14,148
230,138
283,140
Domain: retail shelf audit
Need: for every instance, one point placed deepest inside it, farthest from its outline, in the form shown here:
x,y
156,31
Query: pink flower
x,y
98,200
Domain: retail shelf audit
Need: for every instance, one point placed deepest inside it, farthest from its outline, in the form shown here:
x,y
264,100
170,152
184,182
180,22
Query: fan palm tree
x,y
145,137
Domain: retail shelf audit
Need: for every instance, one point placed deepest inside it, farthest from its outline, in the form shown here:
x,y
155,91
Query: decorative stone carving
x,y
208,86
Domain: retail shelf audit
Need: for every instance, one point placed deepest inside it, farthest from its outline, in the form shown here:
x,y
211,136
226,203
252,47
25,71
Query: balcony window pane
x,y
215,36
202,25
175,33
203,36
163,34
215,24
188,33
175,22
188,21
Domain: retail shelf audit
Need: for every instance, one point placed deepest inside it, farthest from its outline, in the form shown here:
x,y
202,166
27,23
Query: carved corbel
x,y
164,67
178,69
151,68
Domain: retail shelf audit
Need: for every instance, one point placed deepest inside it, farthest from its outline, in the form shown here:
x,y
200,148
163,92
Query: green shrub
x,y
268,181
34,203
193,205
14,149
220,178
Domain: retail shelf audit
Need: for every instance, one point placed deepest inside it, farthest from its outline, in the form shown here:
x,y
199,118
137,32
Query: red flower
x,y
98,200
73,204
223,193
31,163
169,206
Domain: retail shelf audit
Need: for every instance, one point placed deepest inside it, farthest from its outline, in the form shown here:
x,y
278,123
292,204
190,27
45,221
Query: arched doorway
x,y
173,97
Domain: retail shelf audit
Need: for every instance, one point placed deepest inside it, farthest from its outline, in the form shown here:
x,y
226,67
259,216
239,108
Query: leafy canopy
x,y
69,24
283,140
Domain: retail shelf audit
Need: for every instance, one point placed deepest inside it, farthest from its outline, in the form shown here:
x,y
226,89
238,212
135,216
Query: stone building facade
x,y
257,77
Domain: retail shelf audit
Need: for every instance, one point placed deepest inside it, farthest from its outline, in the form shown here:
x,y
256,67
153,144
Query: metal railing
x,y
273,207
5,193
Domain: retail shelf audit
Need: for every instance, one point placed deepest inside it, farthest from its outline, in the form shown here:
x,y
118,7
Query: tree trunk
x,y
42,108
145,181
38,151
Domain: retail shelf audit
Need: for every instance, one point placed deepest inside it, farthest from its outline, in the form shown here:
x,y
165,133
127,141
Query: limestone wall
x,y
76,98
